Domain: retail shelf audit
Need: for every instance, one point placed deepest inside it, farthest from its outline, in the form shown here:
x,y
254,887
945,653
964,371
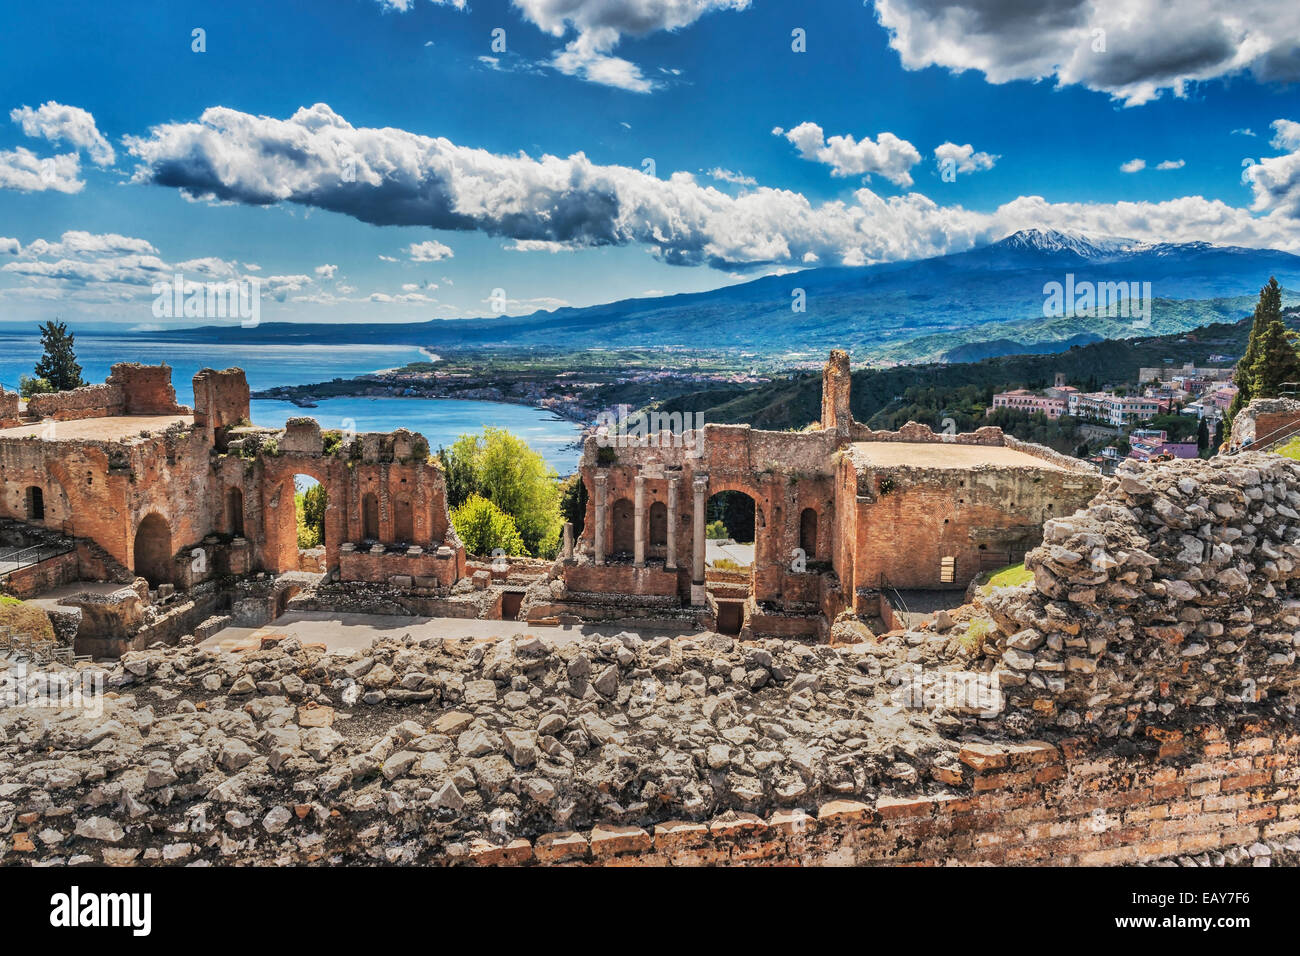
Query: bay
x,y
441,421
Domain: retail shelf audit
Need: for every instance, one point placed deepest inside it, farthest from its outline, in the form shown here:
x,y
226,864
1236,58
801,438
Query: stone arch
x,y
235,511
658,525
808,532
153,550
34,499
622,527
279,516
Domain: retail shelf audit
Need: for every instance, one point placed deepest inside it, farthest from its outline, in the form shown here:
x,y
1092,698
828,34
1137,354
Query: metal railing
x,y
1272,439
30,556
885,586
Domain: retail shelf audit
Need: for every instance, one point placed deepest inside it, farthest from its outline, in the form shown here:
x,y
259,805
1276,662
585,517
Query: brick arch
x,y
279,519
151,550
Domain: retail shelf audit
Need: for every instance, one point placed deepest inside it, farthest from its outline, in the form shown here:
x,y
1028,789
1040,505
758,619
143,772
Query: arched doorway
x,y
658,525
153,550
808,533
370,516
403,520
624,527
731,515
309,504
35,500
235,512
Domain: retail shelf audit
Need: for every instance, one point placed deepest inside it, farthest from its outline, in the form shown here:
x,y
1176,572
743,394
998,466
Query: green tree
x,y
1203,437
29,386
716,530
516,479
309,507
1218,435
458,473
1277,363
58,365
1267,310
483,528
573,502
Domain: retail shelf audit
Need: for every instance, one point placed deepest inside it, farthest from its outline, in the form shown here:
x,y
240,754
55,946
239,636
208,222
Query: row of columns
x,y
700,487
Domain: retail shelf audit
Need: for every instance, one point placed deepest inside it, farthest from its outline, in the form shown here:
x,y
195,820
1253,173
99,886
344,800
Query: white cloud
x,y
601,24
22,170
1275,180
1243,132
407,179
541,245
1131,49
888,156
66,124
10,247
1172,164
326,271
964,158
431,251
1133,166
727,176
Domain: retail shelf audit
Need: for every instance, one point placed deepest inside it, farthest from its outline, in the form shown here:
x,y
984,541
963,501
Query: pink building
x,y
1026,401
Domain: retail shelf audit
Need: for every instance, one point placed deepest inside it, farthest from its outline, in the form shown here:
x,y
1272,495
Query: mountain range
x,y
965,306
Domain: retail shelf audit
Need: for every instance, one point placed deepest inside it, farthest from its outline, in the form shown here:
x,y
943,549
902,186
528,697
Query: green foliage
x,y
1270,356
483,528
1203,437
331,442
1011,576
29,386
735,510
716,530
573,502
1291,449
978,632
58,365
502,468
309,507
606,455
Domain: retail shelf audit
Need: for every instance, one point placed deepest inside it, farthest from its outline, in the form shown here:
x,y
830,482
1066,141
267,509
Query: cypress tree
x,y
58,365
1267,309
1276,363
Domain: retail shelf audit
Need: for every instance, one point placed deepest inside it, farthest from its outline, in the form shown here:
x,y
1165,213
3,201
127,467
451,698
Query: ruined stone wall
x,y
9,408
1175,590
146,389
392,470
90,401
221,399
1265,419
908,519
130,389
1182,795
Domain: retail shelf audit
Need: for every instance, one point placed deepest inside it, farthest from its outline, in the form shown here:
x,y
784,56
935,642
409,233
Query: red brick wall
x,y
1008,804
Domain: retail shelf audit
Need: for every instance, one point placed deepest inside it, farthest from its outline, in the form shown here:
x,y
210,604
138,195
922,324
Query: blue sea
x,y
440,421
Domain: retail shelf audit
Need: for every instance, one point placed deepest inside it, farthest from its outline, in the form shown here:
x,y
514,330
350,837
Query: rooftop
x,y
111,428
898,454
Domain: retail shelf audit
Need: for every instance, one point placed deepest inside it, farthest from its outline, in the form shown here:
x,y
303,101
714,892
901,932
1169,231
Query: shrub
x,y
483,528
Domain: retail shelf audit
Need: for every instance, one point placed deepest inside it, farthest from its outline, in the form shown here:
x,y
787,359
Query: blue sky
x,y
378,160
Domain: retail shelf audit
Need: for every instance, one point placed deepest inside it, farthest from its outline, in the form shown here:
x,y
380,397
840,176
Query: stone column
x,y
638,517
670,561
700,485
600,518
568,540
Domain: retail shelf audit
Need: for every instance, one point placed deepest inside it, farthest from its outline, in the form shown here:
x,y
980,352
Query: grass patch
x,y
1013,575
978,632
24,619
1291,449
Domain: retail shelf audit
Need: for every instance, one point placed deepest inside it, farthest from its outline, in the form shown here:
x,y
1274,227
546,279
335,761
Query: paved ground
x,y
50,599
890,454
112,428
348,631
740,553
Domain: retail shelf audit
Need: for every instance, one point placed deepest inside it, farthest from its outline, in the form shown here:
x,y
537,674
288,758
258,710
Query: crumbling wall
x,y
89,401
1265,419
1173,591
221,399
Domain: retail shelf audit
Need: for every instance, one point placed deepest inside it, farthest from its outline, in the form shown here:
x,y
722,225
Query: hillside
x,y
967,305
796,401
